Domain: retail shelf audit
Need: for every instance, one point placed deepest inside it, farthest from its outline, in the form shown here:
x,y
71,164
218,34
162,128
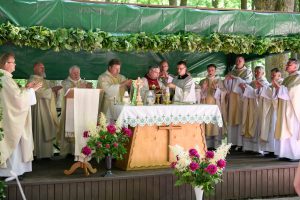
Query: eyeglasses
x,y
11,62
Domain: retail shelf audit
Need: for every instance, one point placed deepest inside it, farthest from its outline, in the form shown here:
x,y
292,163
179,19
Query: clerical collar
x,y
73,81
210,78
239,68
294,73
6,73
110,74
183,77
37,76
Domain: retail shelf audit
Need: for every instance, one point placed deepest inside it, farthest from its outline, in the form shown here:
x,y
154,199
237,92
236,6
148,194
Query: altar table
x,y
158,126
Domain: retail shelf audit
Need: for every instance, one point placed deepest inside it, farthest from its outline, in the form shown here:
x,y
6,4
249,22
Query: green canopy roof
x,y
121,19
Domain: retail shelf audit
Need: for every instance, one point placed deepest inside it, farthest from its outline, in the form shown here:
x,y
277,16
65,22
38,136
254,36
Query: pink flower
x,y
111,129
99,144
194,153
221,163
210,154
194,166
173,165
127,131
86,150
86,134
107,146
116,144
211,169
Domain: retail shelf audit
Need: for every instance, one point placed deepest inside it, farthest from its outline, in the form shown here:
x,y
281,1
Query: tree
x,y
215,3
244,4
183,3
173,2
271,5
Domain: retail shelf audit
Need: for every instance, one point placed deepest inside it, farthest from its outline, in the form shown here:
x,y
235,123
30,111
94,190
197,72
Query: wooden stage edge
x,y
247,176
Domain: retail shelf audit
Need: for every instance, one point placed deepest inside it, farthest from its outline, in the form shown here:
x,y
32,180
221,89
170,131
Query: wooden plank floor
x,y
246,176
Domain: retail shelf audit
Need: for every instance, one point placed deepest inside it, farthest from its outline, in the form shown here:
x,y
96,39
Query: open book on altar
x,y
81,114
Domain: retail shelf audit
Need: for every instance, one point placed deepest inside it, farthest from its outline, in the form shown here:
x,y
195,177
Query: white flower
x,y
102,122
220,153
118,125
182,157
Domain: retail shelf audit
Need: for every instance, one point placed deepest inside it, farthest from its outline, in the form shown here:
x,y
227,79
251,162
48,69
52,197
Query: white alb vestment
x,y
235,104
17,145
287,129
185,89
252,116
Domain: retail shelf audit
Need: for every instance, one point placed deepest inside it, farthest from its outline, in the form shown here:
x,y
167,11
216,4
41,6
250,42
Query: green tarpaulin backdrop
x,y
126,19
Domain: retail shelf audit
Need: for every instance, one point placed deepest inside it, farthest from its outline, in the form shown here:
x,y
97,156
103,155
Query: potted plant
x,y
106,141
201,171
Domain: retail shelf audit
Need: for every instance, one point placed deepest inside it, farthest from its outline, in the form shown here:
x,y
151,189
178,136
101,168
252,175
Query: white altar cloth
x,y
159,115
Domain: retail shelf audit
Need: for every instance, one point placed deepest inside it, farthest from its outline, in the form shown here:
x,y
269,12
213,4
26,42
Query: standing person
x,y
164,75
252,110
287,129
268,114
17,145
114,85
297,181
183,85
239,75
208,87
44,116
151,82
67,141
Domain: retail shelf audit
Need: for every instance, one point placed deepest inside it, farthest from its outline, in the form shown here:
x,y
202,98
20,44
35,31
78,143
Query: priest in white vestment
x,y
164,75
252,111
67,137
114,85
44,116
287,129
208,95
183,85
16,147
239,75
151,82
268,114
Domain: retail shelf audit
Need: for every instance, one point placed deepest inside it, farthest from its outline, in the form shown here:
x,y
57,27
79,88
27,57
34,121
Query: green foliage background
x,y
76,39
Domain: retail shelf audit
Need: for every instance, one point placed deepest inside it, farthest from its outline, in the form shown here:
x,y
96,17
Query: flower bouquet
x,y
201,171
106,141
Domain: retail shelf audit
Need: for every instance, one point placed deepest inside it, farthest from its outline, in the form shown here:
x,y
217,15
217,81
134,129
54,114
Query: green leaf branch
x,y
75,39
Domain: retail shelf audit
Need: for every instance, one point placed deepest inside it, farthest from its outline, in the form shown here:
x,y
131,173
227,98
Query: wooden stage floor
x,y
246,176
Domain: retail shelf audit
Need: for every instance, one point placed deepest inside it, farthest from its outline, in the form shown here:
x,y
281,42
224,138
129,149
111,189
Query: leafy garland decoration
x,y
76,39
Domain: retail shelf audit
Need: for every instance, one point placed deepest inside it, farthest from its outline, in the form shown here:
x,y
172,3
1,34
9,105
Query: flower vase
x,y
108,161
199,193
